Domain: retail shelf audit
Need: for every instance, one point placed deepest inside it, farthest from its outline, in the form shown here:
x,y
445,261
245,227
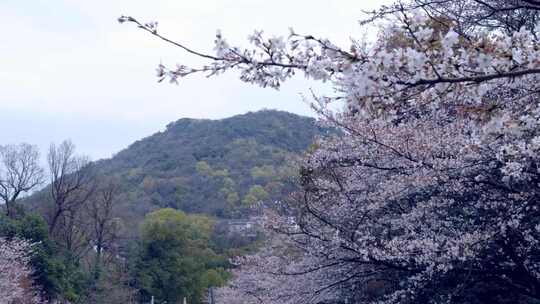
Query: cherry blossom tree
x,y
16,283
431,194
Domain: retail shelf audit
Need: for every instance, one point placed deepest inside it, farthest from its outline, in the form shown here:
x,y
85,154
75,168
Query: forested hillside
x,y
216,167
114,230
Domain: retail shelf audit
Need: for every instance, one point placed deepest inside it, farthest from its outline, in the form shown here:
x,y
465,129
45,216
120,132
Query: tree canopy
x,y
176,260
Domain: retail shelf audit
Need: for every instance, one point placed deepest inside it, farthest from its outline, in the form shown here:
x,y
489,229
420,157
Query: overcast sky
x,y
68,69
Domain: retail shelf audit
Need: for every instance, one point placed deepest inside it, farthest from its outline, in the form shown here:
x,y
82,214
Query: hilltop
x,y
215,167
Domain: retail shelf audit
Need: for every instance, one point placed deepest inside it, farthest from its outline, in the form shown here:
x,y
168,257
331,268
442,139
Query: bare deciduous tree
x,y
72,232
72,183
104,225
20,173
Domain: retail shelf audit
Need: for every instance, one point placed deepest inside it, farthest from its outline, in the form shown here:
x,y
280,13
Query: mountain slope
x,y
217,167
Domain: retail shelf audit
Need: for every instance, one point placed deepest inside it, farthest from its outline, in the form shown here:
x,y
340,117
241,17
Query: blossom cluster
x,y
16,274
434,184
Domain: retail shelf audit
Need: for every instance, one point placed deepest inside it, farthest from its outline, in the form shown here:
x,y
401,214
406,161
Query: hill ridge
x,y
219,167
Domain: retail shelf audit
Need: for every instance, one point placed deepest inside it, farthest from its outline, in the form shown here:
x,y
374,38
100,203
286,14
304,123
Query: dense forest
x,y
219,167
160,218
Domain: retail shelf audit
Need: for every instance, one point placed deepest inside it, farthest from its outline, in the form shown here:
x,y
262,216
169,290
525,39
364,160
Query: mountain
x,y
216,167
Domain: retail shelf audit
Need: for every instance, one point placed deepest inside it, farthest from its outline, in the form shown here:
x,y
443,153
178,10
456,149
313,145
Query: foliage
x,y
175,258
209,166
53,271
255,194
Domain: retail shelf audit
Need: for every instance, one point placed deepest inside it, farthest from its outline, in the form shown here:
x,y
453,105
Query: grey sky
x,y
69,70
